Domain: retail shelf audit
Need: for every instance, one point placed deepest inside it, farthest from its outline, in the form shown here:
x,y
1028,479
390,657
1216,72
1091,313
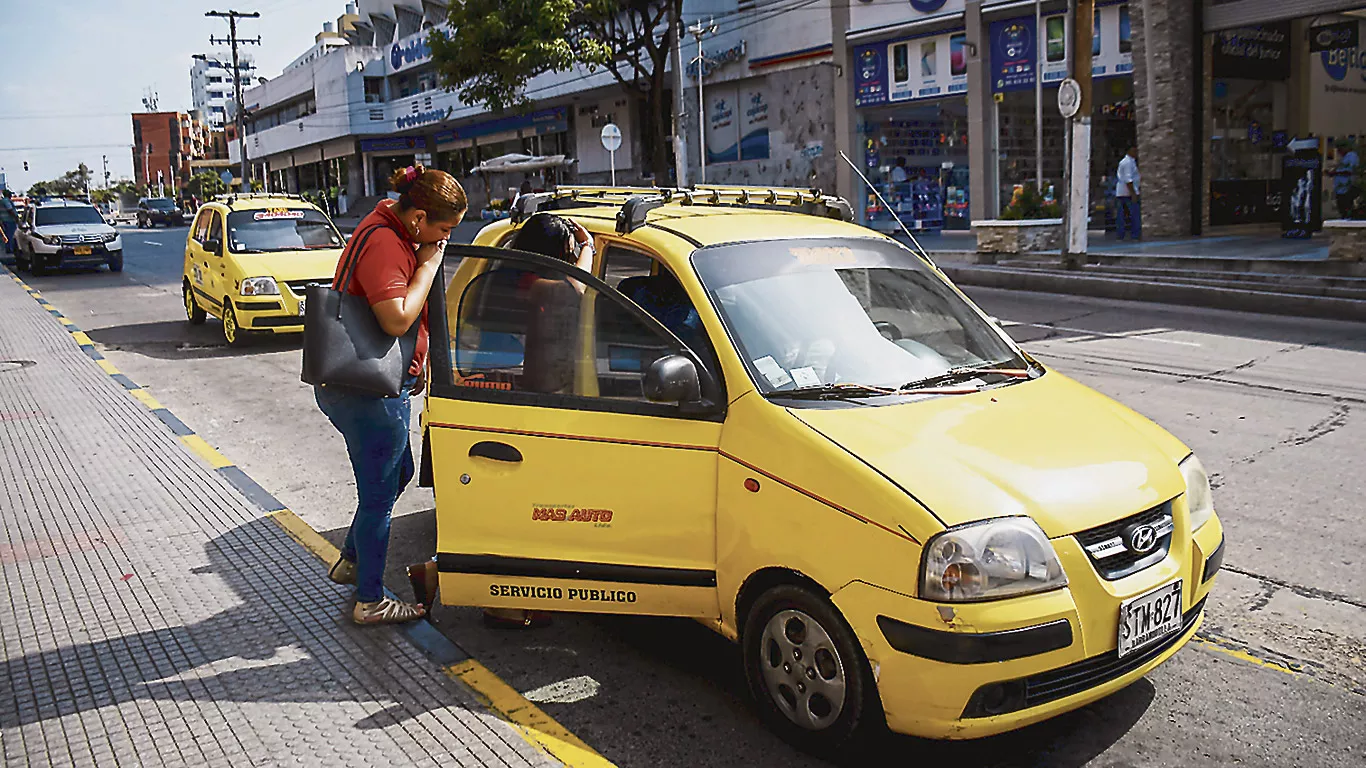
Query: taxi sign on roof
x,y
278,213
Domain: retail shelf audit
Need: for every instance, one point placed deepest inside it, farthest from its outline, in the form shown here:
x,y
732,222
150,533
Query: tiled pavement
x,y
151,616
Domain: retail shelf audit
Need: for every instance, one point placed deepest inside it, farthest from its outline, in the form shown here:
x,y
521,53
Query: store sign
x,y
1330,37
1261,52
413,49
552,120
715,61
911,68
1338,63
393,144
1013,49
423,118
737,123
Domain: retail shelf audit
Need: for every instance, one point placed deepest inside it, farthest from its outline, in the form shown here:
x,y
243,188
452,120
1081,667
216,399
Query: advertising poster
x,y
1302,191
1261,52
1013,45
903,87
754,126
870,75
737,124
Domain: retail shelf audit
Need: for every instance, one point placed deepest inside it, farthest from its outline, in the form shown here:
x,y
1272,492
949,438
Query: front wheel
x,y
806,670
231,332
37,264
116,263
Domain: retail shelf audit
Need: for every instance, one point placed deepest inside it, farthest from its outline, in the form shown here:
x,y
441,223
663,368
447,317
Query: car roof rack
x,y
636,202
231,197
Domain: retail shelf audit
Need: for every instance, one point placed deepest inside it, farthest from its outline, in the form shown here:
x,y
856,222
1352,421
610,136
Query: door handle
x,y
496,451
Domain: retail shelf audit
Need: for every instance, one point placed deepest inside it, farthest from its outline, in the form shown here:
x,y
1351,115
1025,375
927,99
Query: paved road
x,y
1273,406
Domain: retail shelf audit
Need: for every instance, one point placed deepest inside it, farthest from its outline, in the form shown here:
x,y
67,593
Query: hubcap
x,y
229,326
802,670
189,304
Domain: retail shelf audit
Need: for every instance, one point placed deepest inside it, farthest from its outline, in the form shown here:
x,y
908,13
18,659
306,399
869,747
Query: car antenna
x,y
923,253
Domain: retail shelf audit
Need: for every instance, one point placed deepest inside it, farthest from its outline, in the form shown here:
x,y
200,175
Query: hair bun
x,y
403,179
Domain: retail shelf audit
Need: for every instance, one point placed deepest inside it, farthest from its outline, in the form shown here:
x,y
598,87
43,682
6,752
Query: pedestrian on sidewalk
x,y
394,271
1126,196
9,221
1344,181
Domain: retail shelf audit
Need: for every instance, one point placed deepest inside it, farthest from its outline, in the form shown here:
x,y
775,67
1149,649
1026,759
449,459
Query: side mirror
x,y
214,247
672,379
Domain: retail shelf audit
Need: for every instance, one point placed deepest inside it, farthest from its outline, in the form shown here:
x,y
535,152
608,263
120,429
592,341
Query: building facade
x,y
211,84
165,144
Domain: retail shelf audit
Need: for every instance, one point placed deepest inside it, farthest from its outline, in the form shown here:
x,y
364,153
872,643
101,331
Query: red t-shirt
x,y
385,268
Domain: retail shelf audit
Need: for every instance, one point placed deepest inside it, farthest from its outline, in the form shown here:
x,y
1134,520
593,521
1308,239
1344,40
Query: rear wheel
x,y
193,312
806,670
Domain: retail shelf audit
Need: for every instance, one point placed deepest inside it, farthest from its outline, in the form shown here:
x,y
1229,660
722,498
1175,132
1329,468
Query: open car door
x,y
573,445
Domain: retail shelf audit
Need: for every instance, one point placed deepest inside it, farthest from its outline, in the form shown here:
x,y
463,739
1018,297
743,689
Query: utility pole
x,y
146,167
1079,167
1038,94
700,31
233,40
680,142
844,135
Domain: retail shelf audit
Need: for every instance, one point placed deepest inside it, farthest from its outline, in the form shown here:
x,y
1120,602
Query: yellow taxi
x,y
250,258
797,431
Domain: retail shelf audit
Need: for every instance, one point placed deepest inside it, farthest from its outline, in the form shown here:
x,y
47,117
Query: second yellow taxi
x,y
250,258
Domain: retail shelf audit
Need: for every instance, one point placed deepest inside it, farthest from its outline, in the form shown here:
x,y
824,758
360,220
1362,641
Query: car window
x,y
519,328
161,203
201,226
67,215
620,263
281,229
215,227
654,288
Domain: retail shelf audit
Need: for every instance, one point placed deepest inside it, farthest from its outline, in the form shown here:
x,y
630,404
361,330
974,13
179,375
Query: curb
x,y
534,726
1262,302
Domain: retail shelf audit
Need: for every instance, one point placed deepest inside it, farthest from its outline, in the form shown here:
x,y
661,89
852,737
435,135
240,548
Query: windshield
x,y
161,203
280,229
831,311
74,215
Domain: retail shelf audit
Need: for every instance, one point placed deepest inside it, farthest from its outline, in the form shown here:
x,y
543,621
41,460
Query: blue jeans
x,y
9,227
376,433
1128,209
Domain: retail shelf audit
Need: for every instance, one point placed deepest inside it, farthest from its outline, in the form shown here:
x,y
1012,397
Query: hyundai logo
x,y
1142,539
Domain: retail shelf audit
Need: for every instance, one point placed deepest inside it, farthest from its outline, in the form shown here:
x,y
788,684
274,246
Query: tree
x,y
495,46
40,189
205,185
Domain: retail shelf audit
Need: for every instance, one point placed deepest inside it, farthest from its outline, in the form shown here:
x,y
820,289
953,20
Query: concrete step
x,y
1134,288
1307,285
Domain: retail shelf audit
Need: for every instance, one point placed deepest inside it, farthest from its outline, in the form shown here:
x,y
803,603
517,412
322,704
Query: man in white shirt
x,y
1128,217
899,171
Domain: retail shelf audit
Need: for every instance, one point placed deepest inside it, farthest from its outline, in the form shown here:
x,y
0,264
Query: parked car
x,y
55,234
159,210
250,258
801,434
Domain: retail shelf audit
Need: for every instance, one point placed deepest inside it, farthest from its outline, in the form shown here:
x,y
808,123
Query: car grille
x,y
300,287
73,239
1098,670
1108,548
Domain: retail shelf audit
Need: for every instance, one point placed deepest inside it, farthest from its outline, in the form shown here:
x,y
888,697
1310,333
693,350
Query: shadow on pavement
x,y
287,637
673,692
178,340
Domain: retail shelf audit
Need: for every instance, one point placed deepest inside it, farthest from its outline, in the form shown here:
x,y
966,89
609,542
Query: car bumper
x,y
66,256
177,221
277,314
977,669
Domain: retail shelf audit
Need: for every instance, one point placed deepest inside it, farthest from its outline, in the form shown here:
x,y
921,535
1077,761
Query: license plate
x,y
1149,617
301,305
82,250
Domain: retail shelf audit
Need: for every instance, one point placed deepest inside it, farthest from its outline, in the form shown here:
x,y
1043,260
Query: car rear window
x,y
161,203
74,215
280,229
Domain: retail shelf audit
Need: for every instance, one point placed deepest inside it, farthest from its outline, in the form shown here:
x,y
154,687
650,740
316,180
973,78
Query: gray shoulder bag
x,y
344,345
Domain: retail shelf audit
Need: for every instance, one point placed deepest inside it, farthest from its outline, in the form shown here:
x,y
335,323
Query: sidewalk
x,y
155,617
960,245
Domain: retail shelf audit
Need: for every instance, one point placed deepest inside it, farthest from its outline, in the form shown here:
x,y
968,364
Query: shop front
x,y
460,149
382,156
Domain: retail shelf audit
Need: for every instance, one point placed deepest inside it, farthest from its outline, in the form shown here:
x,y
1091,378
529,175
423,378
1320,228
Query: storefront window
x,y
916,156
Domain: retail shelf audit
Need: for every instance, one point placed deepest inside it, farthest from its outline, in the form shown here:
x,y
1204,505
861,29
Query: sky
x,y
73,71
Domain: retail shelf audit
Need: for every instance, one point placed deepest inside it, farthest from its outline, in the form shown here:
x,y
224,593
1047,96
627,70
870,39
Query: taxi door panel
x,y
215,263
562,489
196,263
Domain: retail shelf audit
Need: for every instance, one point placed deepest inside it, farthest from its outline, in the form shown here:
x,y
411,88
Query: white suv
x,y
66,233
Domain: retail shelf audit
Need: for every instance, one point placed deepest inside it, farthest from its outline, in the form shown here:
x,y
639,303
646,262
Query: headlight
x,y
110,237
51,239
1199,500
998,558
260,286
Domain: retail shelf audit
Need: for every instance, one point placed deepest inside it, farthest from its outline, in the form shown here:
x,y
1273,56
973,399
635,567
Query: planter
x,y
997,236
1346,239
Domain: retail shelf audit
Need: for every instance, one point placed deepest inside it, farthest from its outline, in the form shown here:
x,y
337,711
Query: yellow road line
x,y
79,336
205,451
107,367
304,534
147,400
1237,653
534,725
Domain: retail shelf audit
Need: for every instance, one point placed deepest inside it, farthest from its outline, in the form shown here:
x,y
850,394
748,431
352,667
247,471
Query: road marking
x,y
1220,646
568,691
150,242
535,726
1139,335
538,729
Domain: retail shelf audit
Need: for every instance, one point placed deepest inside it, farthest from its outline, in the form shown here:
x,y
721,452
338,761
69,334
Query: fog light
x,y
996,699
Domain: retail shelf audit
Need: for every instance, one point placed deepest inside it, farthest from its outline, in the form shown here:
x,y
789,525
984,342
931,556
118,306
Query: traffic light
x,y
26,165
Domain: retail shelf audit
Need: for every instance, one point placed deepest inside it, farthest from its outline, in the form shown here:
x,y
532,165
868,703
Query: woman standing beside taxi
x,y
401,244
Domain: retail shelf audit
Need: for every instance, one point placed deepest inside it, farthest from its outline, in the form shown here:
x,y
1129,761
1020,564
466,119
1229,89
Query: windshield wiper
x,y
968,372
841,391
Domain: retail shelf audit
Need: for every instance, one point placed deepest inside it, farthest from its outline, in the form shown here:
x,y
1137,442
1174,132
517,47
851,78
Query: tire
x,y
193,312
116,263
21,264
37,264
807,672
232,332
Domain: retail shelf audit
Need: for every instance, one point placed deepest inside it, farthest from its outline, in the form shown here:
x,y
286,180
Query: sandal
x,y
342,572
386,611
